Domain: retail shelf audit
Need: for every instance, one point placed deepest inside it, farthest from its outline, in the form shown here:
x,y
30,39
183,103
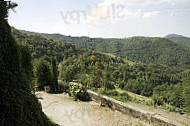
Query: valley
x,y
111,80
142,81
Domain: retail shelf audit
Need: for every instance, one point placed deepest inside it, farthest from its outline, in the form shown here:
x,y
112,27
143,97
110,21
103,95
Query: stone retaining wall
x,y
131,110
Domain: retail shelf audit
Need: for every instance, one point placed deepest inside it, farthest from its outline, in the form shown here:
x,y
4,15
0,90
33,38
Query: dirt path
x,y
62,110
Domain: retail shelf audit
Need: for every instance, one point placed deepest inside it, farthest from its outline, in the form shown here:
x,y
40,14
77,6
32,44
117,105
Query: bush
x,y
158,100
78,92
187,109
111,92
123,97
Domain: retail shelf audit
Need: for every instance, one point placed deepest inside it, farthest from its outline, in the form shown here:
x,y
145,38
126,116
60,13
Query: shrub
x,y
123,97
187,109
111,92
158,100
78,92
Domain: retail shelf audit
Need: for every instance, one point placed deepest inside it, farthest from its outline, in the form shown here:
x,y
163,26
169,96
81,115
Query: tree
x,y
43,74
26,61
18,105
187,94
54,72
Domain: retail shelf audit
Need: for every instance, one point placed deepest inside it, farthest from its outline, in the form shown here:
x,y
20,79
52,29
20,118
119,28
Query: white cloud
x,y
150,14
105,13
188,10
136,12
141,2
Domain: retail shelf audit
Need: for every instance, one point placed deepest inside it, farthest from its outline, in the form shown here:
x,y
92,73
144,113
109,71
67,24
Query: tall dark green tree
x,y
26,61
18,106
54,72
43,74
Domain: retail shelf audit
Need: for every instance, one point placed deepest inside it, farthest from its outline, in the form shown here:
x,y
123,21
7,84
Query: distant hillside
x,y
184,41
140,49
42,47
173,35
179,39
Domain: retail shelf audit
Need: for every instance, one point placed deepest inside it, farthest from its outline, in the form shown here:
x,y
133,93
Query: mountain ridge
x,y
174,35
137,49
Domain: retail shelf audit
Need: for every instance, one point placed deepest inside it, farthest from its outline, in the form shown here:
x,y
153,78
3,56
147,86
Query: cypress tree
x,y
43,74
18,107
54,71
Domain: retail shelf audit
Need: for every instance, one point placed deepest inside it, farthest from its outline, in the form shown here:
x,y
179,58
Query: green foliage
x,y
78,92
140,49
41,47
171,94
184,41
43,74
54,74
101,72
158,100
92,71
187,94
111,92
26,61
18,105
123,97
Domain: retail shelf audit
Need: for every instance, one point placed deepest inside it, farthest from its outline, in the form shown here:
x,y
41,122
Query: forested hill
x,y
42,47
173,35
184,41
141,49
107,73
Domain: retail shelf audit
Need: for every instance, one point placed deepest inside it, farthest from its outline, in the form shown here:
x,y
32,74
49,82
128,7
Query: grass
x,y
125,96
134,96
131,63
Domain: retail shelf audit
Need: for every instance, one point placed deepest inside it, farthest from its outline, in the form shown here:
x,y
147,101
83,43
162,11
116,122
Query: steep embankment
x,y
18,106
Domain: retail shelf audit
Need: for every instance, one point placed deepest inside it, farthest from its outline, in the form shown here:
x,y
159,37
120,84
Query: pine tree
x,y
54,72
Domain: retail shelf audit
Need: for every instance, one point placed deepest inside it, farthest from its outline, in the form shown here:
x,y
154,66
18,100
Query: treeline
x,y
46,74
96,71
184,41
138,49
41,47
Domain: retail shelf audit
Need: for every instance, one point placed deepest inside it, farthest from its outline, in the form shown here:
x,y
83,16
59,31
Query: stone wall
x,y
131,110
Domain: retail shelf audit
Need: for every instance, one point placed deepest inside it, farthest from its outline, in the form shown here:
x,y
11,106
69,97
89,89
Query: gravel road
x,y
64,111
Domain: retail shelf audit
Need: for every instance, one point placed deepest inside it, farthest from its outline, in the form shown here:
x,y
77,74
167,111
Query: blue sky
x,y
103,18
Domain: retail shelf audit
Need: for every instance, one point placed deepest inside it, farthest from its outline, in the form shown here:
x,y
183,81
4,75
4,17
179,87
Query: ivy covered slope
x,y
18,106
140,49
42,47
